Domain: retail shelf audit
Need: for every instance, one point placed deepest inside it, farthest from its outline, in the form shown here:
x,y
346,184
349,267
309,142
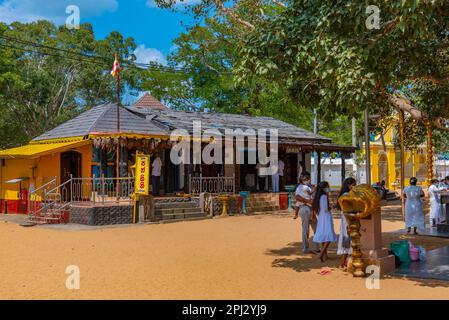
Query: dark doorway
x,y
290,169
70,166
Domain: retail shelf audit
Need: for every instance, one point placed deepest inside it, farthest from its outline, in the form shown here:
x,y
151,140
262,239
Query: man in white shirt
x,y
155,175
303,195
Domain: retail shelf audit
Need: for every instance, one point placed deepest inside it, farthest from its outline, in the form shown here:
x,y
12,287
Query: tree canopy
x,y
49,74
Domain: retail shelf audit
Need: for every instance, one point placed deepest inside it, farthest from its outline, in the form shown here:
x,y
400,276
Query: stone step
x,y
263,209
176,210
271,195
175,205
183,216
185,219
256,202
270,212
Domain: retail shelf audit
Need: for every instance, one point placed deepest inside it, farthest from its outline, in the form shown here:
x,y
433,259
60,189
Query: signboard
x,y
290,149
142,174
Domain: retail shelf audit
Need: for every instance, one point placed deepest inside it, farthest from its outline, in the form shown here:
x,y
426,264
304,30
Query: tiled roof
x,y
184,120
103,118
150,121
148,101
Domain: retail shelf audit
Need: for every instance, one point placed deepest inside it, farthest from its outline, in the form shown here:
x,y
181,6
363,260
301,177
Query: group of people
x,y
414,212
313,205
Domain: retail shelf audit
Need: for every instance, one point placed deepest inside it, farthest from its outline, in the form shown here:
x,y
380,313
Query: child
x,y
325,233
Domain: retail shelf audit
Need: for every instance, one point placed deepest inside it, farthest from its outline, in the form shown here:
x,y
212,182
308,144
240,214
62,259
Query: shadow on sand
x,y
291,256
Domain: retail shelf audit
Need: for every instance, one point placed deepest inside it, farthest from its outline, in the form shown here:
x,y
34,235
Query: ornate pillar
x,y
402,176
429,159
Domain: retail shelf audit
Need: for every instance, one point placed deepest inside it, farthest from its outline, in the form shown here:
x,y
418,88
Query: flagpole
x,y
118,133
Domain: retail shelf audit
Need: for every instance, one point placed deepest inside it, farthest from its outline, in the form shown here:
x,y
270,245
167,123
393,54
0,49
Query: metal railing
x,y
50,201
213,185
99,190
37,195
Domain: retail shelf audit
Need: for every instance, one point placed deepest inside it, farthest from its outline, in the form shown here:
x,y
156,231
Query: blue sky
x,y
152,28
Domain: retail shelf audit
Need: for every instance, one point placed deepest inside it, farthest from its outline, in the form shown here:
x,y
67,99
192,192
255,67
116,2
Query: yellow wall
x,y
377,150
39,171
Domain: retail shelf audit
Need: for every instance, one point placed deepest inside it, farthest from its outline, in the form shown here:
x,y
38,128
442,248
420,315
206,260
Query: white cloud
x,y
179,3
54,10
145,55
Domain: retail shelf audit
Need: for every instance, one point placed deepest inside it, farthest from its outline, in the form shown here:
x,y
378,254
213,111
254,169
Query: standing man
x,y
275,176
303,195
155,175
261,176
281,167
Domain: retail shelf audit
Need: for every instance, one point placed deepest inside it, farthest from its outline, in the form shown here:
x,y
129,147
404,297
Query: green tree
x,y
208,54
42,87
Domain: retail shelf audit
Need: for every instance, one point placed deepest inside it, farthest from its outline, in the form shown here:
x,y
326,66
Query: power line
x,y
99,59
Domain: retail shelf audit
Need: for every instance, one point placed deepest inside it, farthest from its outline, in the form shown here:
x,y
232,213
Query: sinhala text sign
x,y
142,173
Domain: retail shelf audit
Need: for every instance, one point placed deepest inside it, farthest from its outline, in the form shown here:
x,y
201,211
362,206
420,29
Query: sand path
x,y
242,257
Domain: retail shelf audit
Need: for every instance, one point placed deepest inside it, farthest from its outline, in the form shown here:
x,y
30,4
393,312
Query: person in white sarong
x,y
436,210
344,240
414,213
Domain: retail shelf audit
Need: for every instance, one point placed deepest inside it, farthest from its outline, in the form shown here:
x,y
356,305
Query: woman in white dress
x,y
414,213
344,240
325,233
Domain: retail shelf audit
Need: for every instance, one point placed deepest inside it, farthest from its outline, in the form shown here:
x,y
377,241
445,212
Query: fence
x,y
79,191
214,185
99,190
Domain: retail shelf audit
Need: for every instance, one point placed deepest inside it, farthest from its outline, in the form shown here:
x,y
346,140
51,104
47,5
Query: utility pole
x,y
354,144
118,133
315,154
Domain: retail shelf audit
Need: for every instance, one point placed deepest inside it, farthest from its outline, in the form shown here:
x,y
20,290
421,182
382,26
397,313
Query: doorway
x,y
70,166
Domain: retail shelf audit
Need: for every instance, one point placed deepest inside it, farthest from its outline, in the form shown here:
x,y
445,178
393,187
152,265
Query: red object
x,y
283,201
240,203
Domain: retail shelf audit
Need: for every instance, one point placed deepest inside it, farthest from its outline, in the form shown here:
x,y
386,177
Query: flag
x,y
115,68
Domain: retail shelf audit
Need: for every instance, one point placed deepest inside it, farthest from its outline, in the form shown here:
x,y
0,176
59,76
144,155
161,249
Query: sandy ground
x,y
242,257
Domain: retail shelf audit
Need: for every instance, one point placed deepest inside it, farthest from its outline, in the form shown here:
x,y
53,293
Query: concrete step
x,y
263,209
261,203
177,210
186,219
175,205
282,212
273,197
183,216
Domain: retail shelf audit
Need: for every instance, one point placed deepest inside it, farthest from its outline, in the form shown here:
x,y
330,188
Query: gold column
x,y
401,133
429,159
225,205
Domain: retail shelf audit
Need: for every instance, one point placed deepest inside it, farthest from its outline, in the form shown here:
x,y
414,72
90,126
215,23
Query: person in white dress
x,y
435,203
414,213
344,240
325,233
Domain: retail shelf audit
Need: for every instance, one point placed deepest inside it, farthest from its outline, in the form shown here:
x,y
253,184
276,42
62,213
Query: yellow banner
x,y
142,174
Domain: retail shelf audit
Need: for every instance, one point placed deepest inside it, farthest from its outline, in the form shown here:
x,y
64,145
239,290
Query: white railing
x,y
51,200
213,185
99,190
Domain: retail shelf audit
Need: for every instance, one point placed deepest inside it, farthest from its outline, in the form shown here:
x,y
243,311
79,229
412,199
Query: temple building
x,y
81,153
386,161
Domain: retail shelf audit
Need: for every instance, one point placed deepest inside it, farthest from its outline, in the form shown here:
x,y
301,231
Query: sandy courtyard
x,y
243,257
